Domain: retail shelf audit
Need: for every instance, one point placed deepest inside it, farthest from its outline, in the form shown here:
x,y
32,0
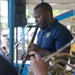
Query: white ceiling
x,y
56,4
51,1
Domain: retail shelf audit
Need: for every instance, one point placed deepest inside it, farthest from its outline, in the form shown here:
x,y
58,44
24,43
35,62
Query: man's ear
x,y
48,14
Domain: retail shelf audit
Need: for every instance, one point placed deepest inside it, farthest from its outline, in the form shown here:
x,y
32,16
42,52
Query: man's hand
x,y
34,47
38,66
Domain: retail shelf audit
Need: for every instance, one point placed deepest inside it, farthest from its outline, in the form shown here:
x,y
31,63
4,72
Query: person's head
x,y
43,15
6,41
73,34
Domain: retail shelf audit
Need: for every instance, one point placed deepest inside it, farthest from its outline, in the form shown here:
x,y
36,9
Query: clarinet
x,y
27,53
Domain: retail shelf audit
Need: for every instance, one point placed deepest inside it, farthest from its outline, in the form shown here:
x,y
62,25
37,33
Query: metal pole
x,y
16,49
23,41
23,32
0,23
42,1
11,30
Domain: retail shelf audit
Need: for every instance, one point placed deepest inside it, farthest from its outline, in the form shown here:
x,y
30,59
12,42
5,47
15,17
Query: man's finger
x,y
37,57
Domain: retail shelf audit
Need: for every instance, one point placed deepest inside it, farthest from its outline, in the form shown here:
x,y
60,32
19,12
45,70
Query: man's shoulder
x,y
1,52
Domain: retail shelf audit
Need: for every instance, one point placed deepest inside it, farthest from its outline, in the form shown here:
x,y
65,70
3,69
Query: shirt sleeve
x,y
62,38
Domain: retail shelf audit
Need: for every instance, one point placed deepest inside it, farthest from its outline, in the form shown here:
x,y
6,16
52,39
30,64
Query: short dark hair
x,y
44,6
7,39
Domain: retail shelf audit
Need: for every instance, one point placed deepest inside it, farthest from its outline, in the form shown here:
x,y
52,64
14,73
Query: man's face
x,y
40,18
7,42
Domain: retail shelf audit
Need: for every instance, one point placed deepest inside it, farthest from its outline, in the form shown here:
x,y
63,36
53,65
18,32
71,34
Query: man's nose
x,y
36,20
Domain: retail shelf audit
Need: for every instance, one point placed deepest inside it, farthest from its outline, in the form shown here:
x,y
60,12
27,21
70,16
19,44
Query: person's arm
x,y
37,49
45,52
38,66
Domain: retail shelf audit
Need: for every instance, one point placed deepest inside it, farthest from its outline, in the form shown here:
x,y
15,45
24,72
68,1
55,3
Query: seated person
x,y
6,47
73,46
72,51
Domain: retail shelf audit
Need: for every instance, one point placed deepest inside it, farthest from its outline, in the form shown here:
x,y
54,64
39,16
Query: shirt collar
x,y
50,26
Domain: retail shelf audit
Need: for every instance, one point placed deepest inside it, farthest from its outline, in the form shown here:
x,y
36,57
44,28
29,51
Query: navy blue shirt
x,y
54,37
